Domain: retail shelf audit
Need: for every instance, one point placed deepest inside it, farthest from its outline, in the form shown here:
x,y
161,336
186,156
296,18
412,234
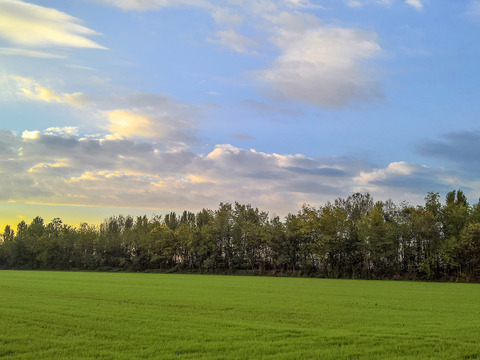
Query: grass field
x,y
83,315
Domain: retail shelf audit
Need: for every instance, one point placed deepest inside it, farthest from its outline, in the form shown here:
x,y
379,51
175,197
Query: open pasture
x,y
85,315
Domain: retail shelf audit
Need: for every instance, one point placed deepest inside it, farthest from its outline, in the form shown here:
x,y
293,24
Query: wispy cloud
x,y
302,4
25,24
28,87
318,64
417,4
163,127
144,5
122,116
81,67
355,3
233,40
362,3
30,53
321,65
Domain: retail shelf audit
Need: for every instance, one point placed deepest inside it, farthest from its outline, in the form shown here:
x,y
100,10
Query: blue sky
x,y
144,106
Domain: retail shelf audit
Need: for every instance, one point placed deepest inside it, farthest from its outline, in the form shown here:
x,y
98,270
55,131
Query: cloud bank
x,y
62,166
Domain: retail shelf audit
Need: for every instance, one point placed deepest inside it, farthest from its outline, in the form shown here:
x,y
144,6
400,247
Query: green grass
x,y
83,315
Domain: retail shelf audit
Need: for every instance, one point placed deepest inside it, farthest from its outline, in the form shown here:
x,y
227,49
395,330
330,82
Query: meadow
x,y
87,315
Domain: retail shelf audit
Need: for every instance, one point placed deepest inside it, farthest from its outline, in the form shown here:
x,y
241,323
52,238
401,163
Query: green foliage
x,y
469,251
349,238
379,243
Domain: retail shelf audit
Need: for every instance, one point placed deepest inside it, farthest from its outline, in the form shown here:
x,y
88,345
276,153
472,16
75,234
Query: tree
x,y
351,258
164,251
432,203
222,228
274,238
6,247
171,220
469,251
8,234
85,251
110,243
454,214
426,238
333,226
350,238
379,243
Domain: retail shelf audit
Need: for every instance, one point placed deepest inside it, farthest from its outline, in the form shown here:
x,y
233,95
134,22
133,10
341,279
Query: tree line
x,y
352,237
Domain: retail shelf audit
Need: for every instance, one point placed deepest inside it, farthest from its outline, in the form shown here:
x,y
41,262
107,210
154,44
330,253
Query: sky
x,y
145,106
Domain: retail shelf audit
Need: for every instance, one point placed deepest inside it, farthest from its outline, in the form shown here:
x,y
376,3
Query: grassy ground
x,y
81,315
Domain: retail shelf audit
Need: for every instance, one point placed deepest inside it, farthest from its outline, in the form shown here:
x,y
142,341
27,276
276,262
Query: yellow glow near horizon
x,y
12,213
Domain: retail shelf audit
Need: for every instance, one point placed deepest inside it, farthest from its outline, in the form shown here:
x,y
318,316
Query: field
x,y
83,315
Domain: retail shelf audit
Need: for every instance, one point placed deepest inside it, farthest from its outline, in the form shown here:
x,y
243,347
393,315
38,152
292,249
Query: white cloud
x,y
134,123
147,116
354,3
417,4
32,25
58,163
302,4
239,43
144,5
362,3
30,53
131,115
58,166
67,131
31,89
81,67
127,123
321,65
406,181
30,135
226,17
396,168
